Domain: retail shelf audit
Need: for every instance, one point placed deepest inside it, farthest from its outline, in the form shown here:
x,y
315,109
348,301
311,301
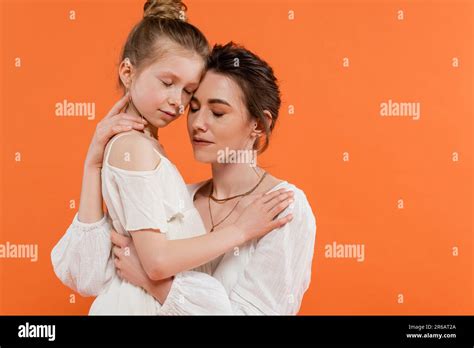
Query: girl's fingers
x,y
277,209
285,196
278,199
269,196
118,106
280,222
284,220
279,204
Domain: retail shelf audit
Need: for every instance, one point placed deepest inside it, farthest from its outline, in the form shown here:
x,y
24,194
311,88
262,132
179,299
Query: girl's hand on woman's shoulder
x,y
261,216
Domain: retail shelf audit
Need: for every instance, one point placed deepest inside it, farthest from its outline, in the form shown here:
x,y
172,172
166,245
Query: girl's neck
x,y
233,179
149,130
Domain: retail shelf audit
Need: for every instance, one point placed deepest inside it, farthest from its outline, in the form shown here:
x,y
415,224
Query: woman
x,y
267,275
162,63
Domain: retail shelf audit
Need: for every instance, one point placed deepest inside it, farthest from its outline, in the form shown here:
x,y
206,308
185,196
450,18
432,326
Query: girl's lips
x,y
167,113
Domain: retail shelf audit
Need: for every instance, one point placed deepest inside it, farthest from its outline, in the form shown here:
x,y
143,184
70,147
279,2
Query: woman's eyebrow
x,y
218,101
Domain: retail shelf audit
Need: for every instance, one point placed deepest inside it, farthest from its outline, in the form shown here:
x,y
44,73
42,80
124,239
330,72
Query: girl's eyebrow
x,y
175,77
193,85
167,72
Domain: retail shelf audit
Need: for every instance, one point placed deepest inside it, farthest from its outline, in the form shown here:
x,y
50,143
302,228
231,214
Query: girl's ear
x,y
126,72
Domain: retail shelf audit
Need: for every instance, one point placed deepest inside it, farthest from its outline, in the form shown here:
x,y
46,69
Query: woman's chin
x,y
202,157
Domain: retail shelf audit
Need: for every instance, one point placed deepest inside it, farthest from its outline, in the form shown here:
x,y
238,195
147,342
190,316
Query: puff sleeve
x,y
81,258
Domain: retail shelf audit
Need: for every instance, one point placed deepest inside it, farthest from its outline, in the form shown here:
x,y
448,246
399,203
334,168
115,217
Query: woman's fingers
x,y
119,239
133,124
124,122
119,129
133,118
117,251
118,106
118,271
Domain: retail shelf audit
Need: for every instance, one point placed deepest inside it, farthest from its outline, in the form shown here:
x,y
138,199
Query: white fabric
x,y
265,276
155,199
81,259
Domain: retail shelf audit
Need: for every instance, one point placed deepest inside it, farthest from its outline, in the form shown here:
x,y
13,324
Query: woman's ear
x,y
257,130
126,72
269,118
258,126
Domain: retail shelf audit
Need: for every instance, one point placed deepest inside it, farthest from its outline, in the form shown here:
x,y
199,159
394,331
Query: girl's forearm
x,y
159,289
162,258
90,206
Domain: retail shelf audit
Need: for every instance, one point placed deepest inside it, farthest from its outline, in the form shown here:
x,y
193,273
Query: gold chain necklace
x,y
222,200
227,199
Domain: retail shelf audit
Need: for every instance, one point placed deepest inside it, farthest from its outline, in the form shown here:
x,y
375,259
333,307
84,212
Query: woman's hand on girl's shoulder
x,y
113,123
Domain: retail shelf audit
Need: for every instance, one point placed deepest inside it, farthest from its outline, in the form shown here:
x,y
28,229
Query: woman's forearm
x,y
90,206
162,258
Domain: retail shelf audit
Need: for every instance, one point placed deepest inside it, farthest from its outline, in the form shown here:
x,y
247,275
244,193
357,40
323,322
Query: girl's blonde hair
x,y
163,27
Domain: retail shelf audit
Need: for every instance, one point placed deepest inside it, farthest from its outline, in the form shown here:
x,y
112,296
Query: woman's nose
x,y
199,121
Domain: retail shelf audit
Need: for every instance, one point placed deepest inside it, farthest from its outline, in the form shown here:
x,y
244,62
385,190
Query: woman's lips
x,y
200,142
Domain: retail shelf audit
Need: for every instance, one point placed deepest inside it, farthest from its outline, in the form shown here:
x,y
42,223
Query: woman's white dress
x,y
264,276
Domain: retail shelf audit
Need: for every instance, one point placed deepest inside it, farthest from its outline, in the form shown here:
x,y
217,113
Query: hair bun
x,y
170,9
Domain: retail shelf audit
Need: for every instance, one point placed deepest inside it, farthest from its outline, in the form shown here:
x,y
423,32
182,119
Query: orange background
x,y
407,251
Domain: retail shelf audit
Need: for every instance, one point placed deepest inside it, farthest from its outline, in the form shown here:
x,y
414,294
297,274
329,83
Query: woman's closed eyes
x,y
194,109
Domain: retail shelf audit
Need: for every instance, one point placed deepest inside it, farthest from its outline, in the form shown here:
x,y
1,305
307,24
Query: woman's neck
x,y
233,179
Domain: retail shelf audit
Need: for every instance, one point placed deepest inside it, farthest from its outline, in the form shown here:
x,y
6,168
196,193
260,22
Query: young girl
x,y
146,197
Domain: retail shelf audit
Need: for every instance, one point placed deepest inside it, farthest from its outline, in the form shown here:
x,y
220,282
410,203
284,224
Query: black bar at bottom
x,y
137,330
